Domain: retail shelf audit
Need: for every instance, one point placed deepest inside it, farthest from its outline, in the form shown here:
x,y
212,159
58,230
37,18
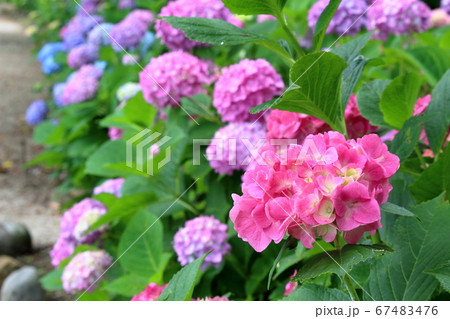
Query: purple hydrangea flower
x,y
445,5
177,74
231,146
175,39
100,34
82,86
75,31
126,4
57,90
243,86
115,133
398,17
36,112
349,17
129,32
130,59
84,270
82,54
127,91
111,186
197,237
73,226
89,6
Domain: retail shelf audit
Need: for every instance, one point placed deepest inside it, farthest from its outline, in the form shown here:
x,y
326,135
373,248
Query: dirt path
x,y
24,194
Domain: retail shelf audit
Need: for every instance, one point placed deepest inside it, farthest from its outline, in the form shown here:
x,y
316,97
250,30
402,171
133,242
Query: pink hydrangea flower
x,y
111,186
398,17
356,124
197,237
232,145
290,286
172,76
84,270
175,39
439,18
243,86
265,17
217,298
327,184
151,293
82,86
115,133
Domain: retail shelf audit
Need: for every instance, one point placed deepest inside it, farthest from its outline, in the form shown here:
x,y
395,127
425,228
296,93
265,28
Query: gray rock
x,y
22,285
14,239
7,266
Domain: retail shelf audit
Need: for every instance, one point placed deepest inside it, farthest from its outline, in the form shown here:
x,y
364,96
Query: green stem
x,y
419,155
291,36
351,288
376,238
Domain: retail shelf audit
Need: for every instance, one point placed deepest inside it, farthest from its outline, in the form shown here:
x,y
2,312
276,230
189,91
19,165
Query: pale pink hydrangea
x,y
172,76
439,18
398,17
84,271
243,86
150,293
231,147
199,236
175,39
325,185
73,226
110,186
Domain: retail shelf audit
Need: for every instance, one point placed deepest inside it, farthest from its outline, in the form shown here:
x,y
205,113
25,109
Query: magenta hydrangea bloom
x,y
243,86
82,86
84,271
398,17
356,124
129,32
197,237
74,223
83,54
111,186
325,185
115,133
231,146
349,17
171,76
175,39
290,286
151,293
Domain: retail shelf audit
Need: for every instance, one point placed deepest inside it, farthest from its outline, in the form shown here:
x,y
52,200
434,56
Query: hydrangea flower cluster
x,y
84,270
398,17
171,76
243,86
445,5
89,6
46,56
197,237
439,18
349,17
115,133
175,39
82,86
74,223
111,186
150,293
82,54
127,91
126,4
36,112
325,185
232,145
356,124
75,31
265,17
100,34
57,91
129,32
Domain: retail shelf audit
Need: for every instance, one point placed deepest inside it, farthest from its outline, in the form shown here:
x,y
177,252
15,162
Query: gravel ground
x,y
25,194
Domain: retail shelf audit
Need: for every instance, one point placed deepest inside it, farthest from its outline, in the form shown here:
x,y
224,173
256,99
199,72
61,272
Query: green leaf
x,y
395,209
318,77
437,125
182,284
311,292
351,76
139,111
369,98
52,281
323,22
432,61
141,245
111,152
398,99
264,106
407,138
419,244
127,285
220,32
350,50
442,274
349,256
254,7
197,105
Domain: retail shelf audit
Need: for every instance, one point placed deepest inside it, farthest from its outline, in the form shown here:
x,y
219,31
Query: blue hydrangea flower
x,y
146,42
58,89
36,112
49,66
99,35
46,56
